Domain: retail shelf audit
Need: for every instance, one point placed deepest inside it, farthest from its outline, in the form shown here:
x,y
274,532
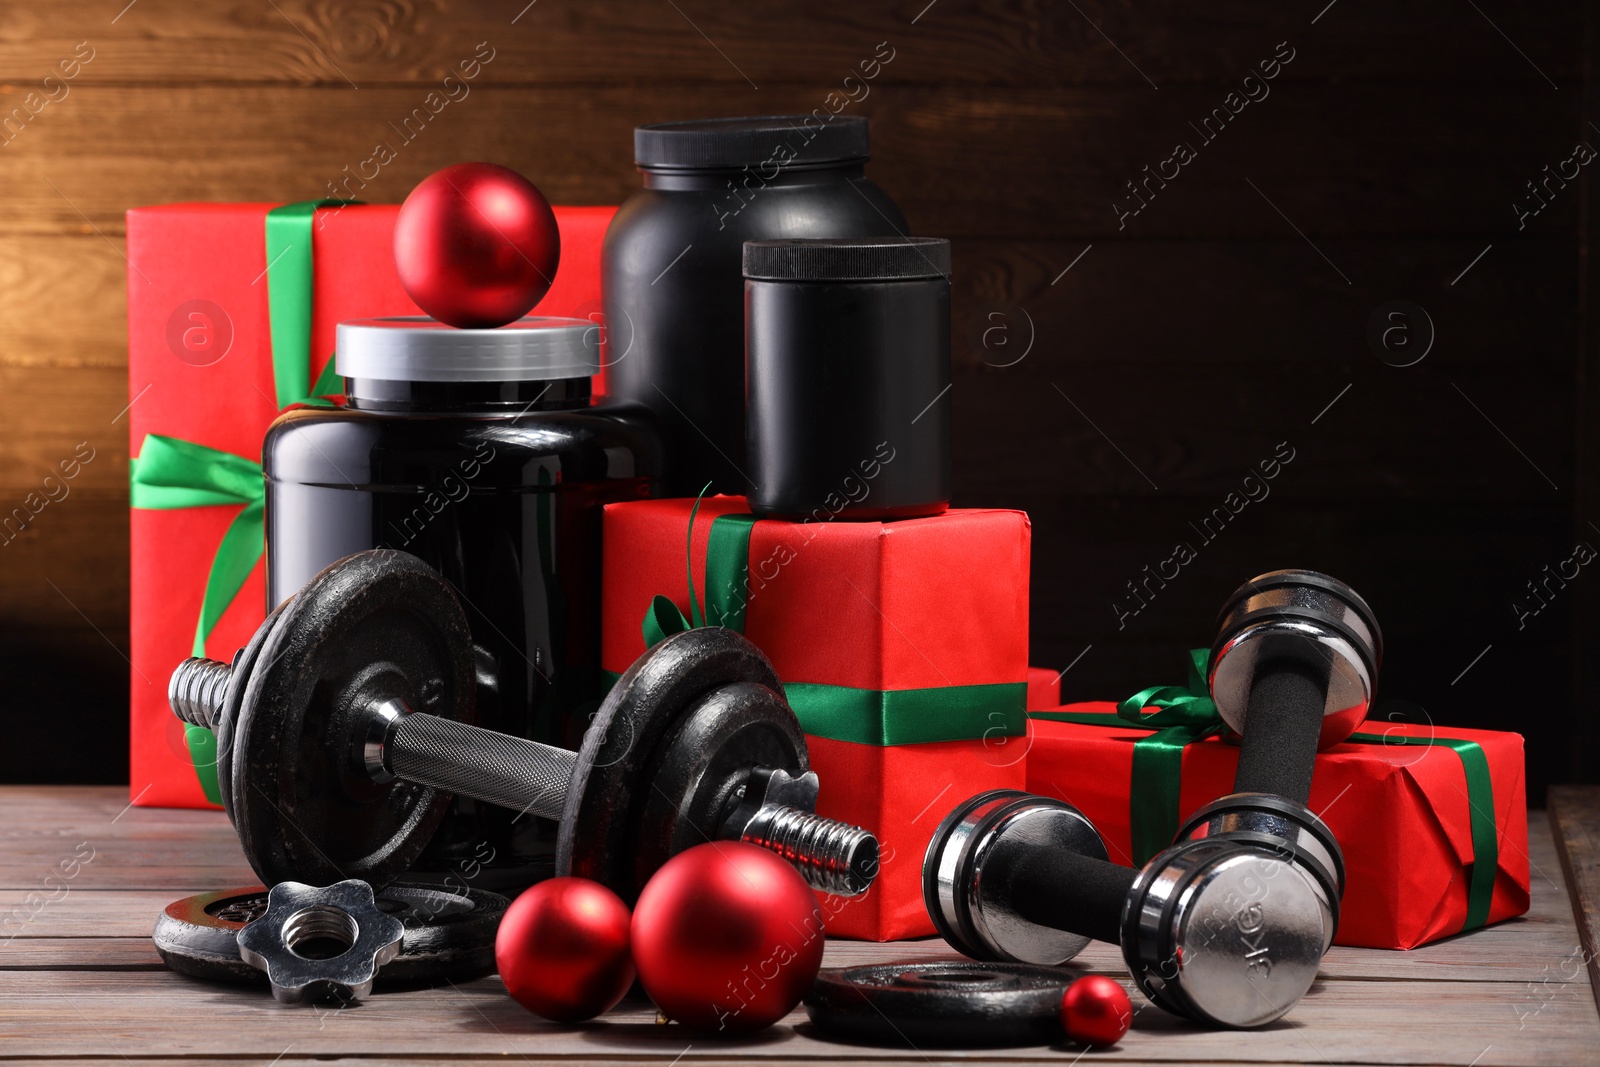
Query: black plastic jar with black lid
x,y
848,377
480,452
673,294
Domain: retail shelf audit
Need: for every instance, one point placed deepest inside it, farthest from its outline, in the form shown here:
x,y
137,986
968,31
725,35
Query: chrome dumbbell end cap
x,y
1289,830
1222,933
1306,615
969,868
345,913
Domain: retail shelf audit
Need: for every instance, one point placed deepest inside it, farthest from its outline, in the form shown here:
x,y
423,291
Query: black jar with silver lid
x,y
848,377
481,452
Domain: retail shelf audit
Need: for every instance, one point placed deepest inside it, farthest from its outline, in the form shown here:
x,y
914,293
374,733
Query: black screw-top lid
x,y
849,259
786,140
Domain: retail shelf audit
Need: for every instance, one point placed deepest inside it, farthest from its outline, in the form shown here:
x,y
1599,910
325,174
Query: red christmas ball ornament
x,y
727,938
562,949
1095,1011
476,245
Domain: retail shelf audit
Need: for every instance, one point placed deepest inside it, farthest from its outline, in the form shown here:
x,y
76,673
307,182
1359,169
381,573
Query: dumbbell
x,y
1218,931
344,724
1293,670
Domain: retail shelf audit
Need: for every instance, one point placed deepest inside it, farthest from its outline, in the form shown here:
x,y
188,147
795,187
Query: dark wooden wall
x,y
1118,376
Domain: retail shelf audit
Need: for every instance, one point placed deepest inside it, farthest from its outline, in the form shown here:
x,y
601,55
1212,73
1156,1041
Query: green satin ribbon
x,y
1184,714
170,472
884,717
727,580
910,716
1480,803
1187,714
864,716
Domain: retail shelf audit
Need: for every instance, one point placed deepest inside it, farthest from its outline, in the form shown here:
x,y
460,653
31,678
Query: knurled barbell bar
x,y
345,723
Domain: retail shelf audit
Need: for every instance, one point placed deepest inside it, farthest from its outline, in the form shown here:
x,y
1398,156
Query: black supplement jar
x,y
671,258
479,452
848,377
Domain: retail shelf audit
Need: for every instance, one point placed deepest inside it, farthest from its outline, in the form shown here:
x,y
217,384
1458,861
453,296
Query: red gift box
x,y
902,647
1433,821
221,337
1044,688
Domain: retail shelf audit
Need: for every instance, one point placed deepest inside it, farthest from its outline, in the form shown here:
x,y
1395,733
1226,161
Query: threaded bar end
x,y
832,856
197,691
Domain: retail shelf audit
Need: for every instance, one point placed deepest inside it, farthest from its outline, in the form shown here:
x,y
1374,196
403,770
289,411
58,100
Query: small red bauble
x,y
476,245
1095,1010
727,938
562,949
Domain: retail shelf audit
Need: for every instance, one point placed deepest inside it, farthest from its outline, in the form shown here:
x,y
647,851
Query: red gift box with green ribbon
x,y
232,310
1432,819
902,647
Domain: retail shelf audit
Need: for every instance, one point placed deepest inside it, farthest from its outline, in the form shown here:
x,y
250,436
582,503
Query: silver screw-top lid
x,y
418,349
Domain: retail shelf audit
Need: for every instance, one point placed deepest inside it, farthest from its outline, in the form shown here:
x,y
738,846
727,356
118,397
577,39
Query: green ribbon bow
x,y
170,472
1187,714
878,717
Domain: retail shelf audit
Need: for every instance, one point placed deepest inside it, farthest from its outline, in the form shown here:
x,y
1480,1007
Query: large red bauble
x,y
562,949
727,937
1095,1010
476,245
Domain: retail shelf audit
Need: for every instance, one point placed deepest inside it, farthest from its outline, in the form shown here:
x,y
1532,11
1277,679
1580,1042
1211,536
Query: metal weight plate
x,y
696,769
449,933
375,626
937,1003
243,663
598,830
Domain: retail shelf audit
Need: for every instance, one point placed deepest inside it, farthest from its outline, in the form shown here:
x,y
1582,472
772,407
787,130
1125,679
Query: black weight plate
x,y
449,933
612,780
698,766
375,626
938,1003
243,662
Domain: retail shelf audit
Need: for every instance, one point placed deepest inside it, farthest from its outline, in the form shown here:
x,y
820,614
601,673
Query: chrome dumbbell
x,y
1293,670
1217,931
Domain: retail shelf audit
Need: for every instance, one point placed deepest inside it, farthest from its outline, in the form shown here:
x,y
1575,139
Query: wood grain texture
x,y
106,1013
79,978
1575,821
1336,162
140,859
1395,142
975,42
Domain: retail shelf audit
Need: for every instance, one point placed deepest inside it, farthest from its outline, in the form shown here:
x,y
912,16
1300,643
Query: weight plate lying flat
x,y
940,1004
378,625
612,782
449,933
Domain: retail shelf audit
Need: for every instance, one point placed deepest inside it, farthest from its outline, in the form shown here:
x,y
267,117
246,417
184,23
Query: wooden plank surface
x,y
953,160
79,978
1575,821
958,41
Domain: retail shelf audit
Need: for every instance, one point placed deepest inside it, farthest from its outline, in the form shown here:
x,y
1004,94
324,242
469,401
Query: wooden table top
x,y
80,979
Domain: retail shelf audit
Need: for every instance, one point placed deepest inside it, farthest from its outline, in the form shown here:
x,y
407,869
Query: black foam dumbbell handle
x,y
1282,725
1069,891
